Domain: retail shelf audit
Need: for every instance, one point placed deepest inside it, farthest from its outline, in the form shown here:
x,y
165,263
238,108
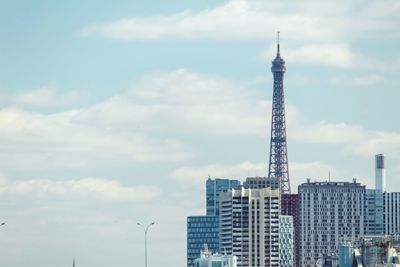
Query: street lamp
x,y
145,229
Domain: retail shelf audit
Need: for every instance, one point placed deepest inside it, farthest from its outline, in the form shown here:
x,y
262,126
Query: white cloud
x,y
354,139
339,55
45,98
379,141
323,31
34,141
240,19
328,133
127,128
87,188
232,20
198,175
335,55
182,102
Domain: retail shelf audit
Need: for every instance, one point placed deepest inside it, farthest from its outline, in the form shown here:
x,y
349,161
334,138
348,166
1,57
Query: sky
x,y
113,113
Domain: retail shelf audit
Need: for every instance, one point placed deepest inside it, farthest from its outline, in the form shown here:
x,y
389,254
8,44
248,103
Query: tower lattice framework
x,y
278,157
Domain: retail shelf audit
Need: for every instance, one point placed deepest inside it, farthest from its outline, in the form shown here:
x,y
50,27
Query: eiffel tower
x,y
278,158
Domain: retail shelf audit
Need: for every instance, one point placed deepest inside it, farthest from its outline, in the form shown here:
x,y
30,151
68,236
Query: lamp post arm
x,y
145,240
148,226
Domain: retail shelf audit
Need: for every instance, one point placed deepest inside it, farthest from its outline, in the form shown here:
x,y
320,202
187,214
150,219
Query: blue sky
x,y
112,114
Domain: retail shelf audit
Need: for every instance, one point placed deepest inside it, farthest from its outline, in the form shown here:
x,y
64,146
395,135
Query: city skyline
x,y
112,115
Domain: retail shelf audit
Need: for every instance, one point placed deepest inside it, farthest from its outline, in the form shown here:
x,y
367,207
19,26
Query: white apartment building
x,y
249,226
391,212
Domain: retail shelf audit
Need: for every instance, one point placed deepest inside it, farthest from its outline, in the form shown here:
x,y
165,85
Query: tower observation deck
x,y
278,158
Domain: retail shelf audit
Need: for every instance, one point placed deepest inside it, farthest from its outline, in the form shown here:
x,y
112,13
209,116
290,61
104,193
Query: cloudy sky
x,y
115,113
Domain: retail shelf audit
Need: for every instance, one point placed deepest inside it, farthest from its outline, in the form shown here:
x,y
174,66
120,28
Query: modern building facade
x,y
249,226
213,188
329,211
290,206
286,244
391,212
373,215
204,230
201,230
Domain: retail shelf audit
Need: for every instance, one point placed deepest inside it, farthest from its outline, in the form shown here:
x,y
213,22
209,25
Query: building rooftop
x,y
330,184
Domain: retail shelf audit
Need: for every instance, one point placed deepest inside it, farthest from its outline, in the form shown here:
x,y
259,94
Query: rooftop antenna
x,y
329,176
73,263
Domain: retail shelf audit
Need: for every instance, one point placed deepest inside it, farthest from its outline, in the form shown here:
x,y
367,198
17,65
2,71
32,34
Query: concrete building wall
x,y
329,211
391,212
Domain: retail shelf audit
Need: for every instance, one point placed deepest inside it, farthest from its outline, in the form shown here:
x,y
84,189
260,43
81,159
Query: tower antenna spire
x,y
278,33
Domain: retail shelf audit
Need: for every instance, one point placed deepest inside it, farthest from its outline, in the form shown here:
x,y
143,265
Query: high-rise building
x,y
380,173
391,212
290,206
286,244
204,230
278,158
213,188
373,215
329,211
201,230
249,226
